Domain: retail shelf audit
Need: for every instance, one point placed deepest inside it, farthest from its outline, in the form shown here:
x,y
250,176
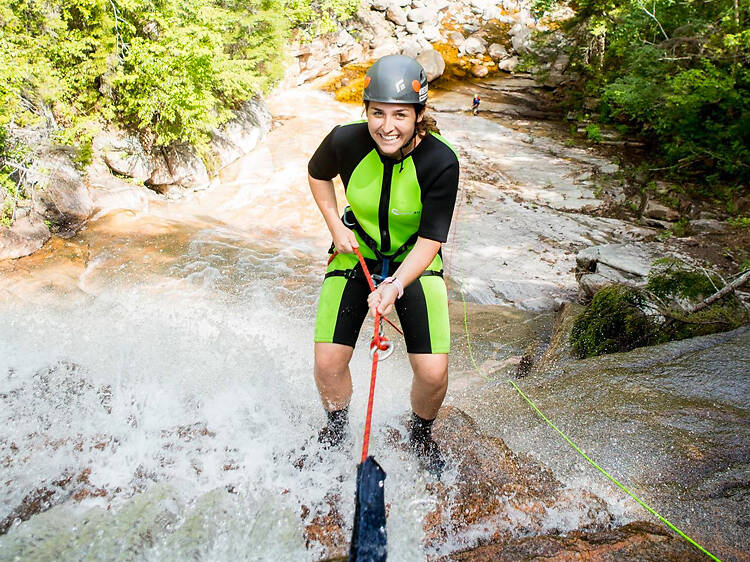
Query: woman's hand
x,y
344,240
381,299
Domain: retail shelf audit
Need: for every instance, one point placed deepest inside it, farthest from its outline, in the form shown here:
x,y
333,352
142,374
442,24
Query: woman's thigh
x,y
423,311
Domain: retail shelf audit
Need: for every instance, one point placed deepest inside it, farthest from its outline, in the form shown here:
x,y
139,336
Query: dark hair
x,y
427,124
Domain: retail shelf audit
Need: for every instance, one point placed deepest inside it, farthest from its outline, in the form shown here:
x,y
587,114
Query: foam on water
x,y
182,407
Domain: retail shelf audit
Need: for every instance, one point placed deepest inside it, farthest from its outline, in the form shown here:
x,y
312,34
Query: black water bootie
x,y
422,443
333,434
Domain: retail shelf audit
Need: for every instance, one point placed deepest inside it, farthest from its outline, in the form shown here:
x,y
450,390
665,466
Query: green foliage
x,y
319,16
593,133
613,321
678,72
170,70
740,222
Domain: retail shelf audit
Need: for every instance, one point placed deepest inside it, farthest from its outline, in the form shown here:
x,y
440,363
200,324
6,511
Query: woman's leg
x,y
332,376
429,383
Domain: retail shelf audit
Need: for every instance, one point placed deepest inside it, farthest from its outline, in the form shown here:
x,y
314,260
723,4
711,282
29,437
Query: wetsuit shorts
x,y
422,310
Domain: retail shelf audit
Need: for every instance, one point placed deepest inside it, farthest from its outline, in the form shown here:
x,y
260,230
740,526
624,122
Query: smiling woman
x,y
401,180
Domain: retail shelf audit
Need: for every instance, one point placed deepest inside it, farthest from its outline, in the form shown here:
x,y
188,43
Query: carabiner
x,y
348,224
384,353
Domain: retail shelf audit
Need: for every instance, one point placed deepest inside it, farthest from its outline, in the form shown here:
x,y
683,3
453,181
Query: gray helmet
x,y
396,79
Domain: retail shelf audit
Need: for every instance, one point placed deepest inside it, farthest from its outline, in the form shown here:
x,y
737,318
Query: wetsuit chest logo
x,y
397,212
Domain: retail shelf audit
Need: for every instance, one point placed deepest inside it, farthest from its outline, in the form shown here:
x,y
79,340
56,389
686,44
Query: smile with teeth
x,y
389,138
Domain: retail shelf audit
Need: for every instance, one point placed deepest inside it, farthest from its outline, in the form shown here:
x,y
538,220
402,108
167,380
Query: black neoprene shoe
x,y
429,456
331,437
333,434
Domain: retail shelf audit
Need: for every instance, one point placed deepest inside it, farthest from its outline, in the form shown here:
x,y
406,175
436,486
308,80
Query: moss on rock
x,y
613,321
621,318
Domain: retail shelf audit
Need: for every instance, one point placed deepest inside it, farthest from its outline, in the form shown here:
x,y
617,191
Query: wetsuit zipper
x,y
384,207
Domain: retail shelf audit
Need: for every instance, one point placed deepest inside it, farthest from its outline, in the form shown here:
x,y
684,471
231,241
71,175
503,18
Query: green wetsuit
x,y
394,201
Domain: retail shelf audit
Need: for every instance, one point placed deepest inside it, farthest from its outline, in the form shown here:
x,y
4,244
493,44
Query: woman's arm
x,y
418,259
325,198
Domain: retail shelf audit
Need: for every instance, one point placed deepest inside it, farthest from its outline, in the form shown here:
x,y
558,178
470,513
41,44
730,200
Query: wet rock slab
x,y
634,541
505,506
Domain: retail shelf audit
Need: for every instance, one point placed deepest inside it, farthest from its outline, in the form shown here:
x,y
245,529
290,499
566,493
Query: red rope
x,y
371,398
375,343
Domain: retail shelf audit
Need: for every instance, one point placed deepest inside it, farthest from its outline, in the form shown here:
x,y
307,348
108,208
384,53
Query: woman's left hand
x,y
381,299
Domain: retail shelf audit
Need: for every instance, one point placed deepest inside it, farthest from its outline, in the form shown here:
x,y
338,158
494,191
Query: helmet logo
x,y
415,85
367,81
400,86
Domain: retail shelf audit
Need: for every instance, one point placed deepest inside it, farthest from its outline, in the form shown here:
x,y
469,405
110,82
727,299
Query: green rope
x,y
612,478
466,328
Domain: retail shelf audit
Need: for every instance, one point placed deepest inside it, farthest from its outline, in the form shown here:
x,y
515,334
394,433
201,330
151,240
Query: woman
x,y
401,180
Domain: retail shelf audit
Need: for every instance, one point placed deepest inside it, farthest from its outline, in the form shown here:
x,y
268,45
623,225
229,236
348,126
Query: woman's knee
x,y
331,359
431,370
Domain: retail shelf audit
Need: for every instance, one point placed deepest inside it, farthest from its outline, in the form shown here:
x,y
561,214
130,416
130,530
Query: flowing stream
x,y
156,381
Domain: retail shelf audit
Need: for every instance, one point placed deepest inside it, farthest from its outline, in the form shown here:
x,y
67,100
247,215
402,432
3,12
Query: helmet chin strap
x,y
407,143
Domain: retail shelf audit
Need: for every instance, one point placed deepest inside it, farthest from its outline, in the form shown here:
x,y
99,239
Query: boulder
x,y
412,27
492,13
125,156
433,64
627,264
479,70
431,33
423,15
61,196
180,166
351,53
498,51
396,15
371,26
520,39
387,47
509,64
109,192
410,47
24,237
456,38
658,211
474,45
380,5
315,59
239,136
344,39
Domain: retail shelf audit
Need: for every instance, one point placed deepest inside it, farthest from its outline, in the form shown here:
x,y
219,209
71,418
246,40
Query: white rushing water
x,y
186,408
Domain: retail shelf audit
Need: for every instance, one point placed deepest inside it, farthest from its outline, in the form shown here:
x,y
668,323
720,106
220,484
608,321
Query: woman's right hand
x,y
344,240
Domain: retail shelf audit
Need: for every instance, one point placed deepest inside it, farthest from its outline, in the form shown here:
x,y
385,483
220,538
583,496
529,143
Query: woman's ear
x,y
420,116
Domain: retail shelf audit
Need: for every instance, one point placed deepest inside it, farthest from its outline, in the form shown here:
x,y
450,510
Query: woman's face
x,y
391,125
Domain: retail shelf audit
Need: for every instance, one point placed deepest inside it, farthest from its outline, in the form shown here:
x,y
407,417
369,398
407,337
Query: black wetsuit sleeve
x,y
324,165
437,205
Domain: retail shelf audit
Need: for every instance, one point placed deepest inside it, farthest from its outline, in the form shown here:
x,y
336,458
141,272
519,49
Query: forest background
x,y
673,72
